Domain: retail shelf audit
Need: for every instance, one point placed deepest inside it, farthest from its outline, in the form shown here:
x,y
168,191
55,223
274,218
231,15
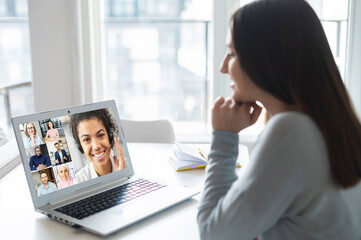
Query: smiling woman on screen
x,y
95,134
65,179
303,177
52,133
31,139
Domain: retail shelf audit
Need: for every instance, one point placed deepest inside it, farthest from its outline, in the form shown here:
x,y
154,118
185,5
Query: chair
x,y
157,131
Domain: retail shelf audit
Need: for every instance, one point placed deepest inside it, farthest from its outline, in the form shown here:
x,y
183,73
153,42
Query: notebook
x,y
79,170
185,157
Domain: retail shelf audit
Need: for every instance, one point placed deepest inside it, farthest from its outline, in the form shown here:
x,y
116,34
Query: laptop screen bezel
x,y
79,188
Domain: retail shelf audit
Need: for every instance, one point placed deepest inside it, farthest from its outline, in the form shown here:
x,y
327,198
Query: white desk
x,y
18,220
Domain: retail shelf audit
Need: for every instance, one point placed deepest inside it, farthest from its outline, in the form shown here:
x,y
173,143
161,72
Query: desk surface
x,y
18,220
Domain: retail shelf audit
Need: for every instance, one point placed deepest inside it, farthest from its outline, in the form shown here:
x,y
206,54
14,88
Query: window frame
x,y
353,55
80,70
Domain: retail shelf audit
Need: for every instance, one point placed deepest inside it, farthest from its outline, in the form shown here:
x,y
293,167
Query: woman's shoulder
x,y
84,173
291,124
292,133
293,141
26,141
290,119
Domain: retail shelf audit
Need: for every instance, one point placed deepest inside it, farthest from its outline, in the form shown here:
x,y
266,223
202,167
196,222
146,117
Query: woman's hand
x,y
32,138
118,164
231,116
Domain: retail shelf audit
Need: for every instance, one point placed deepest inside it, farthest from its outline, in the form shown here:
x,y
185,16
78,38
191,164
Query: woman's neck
x,y
274,105
103,170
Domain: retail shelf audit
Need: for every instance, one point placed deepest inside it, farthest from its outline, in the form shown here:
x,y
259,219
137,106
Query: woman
x,y
52,133
303,177
95,134
31,139
65,179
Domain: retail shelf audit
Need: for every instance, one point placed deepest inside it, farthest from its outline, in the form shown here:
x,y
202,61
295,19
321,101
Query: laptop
x,y
79,170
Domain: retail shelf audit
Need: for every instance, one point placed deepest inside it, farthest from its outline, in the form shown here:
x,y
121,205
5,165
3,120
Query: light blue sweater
x,y
285,192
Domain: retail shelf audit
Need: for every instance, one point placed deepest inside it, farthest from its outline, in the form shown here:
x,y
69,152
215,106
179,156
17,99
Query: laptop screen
x,y
71,149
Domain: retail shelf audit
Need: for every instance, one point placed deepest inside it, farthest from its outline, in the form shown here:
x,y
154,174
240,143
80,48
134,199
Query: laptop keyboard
x,y
102,201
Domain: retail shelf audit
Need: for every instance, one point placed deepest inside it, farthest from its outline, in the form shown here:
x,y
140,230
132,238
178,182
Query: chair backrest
x,y
157,131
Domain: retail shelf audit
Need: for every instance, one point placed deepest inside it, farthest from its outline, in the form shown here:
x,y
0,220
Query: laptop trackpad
x,y
131,211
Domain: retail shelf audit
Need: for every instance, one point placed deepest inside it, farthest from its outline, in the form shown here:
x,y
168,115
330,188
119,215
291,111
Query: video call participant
x,y
31,139
39,161
302,180
95,134
52,133
60,155
46,186
65,179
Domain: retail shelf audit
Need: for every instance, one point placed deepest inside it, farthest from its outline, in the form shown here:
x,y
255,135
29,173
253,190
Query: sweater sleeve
x,y
246,206
220,171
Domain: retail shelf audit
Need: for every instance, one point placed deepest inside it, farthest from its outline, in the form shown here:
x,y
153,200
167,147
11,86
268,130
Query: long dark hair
x,y
103,116
282,47
51,124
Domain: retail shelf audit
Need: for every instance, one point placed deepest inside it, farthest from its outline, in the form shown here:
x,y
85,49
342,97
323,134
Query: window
x,y
145,93
334,18
156,60
15,62
157,53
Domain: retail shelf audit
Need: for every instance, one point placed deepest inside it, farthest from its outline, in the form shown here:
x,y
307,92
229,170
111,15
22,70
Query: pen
x,y
200,152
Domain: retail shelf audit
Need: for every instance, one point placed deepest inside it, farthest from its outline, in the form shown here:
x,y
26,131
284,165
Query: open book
x,y
185,157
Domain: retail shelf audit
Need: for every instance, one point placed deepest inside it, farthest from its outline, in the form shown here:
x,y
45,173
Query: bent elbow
x,y
206,231
212,227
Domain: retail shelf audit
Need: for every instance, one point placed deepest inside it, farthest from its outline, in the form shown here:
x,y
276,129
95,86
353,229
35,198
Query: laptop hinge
x,y
88,191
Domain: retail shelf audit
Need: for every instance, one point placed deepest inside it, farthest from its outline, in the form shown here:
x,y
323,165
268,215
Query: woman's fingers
x,y
219,101
222,102
256,112
116,162
121,163
233,116
229,103
253,112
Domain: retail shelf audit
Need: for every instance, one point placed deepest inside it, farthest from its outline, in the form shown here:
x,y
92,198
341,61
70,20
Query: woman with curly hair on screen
x,y
95,134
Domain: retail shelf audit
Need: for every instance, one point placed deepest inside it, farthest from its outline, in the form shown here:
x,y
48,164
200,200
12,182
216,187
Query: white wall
x,y
54,54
